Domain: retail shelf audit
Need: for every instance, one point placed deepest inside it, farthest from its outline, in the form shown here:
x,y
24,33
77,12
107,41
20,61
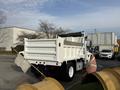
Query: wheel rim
x,y
71,72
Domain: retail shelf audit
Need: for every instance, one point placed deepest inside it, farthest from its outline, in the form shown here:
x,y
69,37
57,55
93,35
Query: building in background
x,y
9,36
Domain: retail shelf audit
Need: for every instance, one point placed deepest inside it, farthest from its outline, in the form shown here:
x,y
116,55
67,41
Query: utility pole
x,y
95,31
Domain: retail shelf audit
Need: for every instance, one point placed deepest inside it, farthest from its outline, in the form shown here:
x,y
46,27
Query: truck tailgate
x,y
40,49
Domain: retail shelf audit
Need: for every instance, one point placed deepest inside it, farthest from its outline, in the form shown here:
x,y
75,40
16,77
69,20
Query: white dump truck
x,y
62,54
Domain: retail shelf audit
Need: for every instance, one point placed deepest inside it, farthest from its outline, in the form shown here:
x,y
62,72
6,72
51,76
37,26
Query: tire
x,y
68,72
113,57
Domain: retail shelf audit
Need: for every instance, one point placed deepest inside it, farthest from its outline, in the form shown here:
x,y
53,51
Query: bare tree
x,y
50,30
19,46
59,31
46,28
26,35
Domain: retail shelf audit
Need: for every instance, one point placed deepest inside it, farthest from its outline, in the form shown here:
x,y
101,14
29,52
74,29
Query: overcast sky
x,y
102,15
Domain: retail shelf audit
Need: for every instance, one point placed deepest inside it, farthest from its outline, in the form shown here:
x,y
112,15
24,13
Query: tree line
x,y
45,30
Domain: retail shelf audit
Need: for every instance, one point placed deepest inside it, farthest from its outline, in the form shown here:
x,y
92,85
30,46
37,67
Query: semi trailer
x,y
61,54
101,41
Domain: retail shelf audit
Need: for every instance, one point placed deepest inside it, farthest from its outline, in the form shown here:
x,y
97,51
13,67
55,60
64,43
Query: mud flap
x,y
22,63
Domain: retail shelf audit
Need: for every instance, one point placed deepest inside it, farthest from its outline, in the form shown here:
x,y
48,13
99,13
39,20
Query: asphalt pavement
x,y
106,63
11,76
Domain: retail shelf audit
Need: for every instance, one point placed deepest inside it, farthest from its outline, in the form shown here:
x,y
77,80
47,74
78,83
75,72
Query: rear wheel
x,y
68,71
71,71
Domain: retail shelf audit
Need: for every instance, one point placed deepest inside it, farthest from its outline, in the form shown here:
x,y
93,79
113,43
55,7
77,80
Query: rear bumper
x,y
45,63
105,56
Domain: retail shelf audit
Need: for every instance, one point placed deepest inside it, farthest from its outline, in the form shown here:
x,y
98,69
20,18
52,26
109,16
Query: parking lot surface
x,y
11,76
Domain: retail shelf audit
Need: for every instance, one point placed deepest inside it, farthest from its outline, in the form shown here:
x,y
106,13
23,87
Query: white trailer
x,y
105,40
58,53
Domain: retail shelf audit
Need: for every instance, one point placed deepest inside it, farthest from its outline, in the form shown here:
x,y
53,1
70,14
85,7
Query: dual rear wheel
x,y
70,71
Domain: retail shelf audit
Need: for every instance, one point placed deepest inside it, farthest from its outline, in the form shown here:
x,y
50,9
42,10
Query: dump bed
x,y
51,51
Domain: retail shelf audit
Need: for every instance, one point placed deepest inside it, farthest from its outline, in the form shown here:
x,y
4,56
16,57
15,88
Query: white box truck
x,y
65,56
103,39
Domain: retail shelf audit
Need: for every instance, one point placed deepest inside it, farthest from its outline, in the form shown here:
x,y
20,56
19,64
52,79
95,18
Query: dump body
x,y
52,51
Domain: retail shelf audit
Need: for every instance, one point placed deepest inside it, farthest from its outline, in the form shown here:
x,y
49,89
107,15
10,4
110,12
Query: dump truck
x,y
63,55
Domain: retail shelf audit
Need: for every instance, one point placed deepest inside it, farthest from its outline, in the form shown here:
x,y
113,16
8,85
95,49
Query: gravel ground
x,y
11,76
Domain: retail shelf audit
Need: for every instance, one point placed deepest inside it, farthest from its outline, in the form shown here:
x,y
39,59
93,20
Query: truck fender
x,y
91,65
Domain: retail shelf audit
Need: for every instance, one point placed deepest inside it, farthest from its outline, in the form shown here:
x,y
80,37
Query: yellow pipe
x,y
108,78
46,84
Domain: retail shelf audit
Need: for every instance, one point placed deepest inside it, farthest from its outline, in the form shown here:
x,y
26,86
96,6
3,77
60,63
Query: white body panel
x,y
109,47
51,51
74,39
